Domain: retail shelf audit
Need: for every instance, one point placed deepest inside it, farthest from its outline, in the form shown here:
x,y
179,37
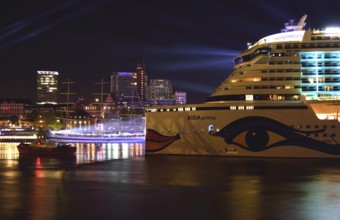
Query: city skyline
x,y
122,87
192,44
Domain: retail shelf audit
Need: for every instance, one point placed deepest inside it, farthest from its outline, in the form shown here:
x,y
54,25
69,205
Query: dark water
x,y
117,181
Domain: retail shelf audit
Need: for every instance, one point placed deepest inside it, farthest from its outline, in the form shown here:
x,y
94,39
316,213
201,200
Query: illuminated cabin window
x,y
232,107
320,67
252,79
249,97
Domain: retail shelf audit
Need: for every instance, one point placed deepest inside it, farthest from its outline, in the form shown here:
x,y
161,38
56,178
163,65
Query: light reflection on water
x,y
86,152
92,152
9,151
194,187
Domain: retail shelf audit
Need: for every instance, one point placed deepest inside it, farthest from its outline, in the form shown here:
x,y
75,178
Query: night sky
x,y
191,43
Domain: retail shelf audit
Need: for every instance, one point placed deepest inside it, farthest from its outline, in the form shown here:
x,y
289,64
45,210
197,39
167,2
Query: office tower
x,y
160,92
123,86
180,97
141,86
47,87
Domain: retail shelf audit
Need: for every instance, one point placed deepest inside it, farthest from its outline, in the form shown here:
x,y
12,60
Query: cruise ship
x,y
282,99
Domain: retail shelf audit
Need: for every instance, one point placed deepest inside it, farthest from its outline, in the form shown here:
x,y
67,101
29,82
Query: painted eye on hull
x,y
260,133
256,139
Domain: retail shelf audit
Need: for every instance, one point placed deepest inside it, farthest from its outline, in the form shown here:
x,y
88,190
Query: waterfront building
x,y
47,87
10,108
109,105
101,109
160,92
80,120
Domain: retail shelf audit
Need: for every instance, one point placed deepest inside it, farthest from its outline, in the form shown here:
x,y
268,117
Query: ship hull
x,y
291,131
62,151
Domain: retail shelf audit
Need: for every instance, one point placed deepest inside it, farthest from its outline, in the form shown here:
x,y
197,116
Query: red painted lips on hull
x,y
155,141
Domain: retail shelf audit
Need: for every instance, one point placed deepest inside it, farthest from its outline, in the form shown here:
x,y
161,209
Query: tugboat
x,y
45,147
38,148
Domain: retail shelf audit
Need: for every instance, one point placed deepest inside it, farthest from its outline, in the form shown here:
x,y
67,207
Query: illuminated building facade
x,y
123,86
101,110
180,98
47,87
13,107
320,75
80,120
160,92
128,87
141,86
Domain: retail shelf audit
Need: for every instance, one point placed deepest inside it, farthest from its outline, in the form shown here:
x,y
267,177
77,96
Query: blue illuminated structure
x,y
320,75
114,131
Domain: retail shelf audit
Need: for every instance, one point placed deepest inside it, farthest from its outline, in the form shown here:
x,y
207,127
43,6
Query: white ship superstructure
x,y
281,100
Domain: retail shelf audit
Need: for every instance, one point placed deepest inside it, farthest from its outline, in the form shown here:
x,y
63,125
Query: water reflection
x,y
194,187
9,150
247,188
92,152
86,152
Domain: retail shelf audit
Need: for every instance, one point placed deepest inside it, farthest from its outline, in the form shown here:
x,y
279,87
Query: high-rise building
x,y
47,87
141,86
123,86
160,92
180,98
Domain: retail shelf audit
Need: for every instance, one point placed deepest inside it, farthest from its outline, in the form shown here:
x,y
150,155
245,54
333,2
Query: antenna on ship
x,y
291,26
302,23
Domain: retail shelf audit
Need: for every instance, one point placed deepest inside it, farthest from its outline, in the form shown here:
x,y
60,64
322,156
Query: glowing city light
x,y
332,30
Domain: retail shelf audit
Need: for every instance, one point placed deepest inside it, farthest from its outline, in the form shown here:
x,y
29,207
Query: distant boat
x,y
11,135
110,131
46,148
98,137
